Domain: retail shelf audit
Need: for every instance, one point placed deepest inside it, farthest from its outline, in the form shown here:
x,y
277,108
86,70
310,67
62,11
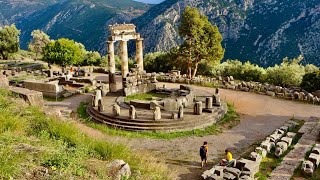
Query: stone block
x,y
4,82
101,107
315,159
97,97
170,105
254,156
209,102
132,112
307,168
284,128
261,151
234,171
34,98
157,113
174,116
281,147
286,140
197,109
180,112
154,104
251,166
116,110
266,145
51,89
291,135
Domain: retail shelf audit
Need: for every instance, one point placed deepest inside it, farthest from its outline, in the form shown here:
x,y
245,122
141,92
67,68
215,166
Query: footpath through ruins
x,y
260,116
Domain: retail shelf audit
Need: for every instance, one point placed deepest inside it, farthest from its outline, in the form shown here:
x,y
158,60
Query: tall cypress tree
x,y
202,40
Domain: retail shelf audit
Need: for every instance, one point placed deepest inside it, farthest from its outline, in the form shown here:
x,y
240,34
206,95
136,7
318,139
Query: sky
x,y
151,1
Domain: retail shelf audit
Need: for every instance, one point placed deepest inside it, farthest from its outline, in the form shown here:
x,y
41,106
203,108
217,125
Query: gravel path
x,y
260,115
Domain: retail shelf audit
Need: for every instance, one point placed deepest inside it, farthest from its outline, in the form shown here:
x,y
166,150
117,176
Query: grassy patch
x,y
30,140
146,96
229,120
270,162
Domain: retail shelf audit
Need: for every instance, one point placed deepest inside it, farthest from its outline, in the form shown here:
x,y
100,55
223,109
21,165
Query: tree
x,y
9,41
310,68
202,40
91,58
39,41
288,73
311,81
64,52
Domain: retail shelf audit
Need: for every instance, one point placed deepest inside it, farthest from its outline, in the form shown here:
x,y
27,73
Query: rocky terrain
x,y
262,31
85,21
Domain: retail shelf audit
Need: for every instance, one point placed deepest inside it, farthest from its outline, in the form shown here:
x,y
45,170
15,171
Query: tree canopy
x,y
64,52
9,41
39,41
202,40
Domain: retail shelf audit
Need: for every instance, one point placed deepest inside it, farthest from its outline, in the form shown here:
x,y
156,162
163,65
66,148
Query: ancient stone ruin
x,y
137,81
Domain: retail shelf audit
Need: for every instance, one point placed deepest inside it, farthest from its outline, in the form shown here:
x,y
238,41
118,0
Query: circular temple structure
x,y
180,110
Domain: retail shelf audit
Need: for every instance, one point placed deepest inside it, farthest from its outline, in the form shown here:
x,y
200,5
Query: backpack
x,y
202,151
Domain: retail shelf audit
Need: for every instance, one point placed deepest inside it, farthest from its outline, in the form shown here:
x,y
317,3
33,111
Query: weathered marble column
x,y
124,58
112,67
139,53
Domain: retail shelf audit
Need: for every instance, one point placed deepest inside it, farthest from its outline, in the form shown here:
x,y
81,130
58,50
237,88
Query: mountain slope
x,y
262,31
82,20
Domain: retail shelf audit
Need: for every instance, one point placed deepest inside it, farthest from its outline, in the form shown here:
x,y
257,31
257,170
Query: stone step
x,y
173,125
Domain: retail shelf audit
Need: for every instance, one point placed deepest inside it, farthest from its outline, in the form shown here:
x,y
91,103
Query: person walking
x,y
204,154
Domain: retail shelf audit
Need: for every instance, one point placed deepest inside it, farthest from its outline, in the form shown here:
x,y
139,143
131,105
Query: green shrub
x,y
311,81
241,71
286,74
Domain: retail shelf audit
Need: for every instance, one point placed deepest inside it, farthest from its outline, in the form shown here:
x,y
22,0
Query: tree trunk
x,y
36,58
189,63
2,55
195,70
189,70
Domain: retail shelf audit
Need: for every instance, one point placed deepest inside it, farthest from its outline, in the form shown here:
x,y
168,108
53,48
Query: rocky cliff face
x,y
84,21
262,31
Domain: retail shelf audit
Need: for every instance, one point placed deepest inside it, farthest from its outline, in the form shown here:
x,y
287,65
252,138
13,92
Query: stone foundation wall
x,y
48,89
34,98
293,93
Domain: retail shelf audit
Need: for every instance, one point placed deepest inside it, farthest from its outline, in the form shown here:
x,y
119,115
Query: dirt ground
x,y
260,115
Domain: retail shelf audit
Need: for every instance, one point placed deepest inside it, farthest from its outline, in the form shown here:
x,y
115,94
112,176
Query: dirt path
x,y
260,115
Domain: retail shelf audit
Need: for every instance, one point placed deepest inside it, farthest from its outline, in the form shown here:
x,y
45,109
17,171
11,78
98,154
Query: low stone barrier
x,y
34,98
293,93
51,89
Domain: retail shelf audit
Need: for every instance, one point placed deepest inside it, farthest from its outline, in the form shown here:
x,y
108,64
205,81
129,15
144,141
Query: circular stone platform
x,y
145,122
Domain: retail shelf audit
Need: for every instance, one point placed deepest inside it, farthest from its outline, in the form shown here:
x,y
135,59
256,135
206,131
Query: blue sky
x,y
150,1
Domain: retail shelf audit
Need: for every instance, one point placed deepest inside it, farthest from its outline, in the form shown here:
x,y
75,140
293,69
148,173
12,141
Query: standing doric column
x,y
112,67
139,53
124,58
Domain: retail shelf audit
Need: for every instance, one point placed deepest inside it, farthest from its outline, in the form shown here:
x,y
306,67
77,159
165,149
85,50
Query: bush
x,y
157,62
241,71
310,68
91,58
311,82
64,52
286,74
